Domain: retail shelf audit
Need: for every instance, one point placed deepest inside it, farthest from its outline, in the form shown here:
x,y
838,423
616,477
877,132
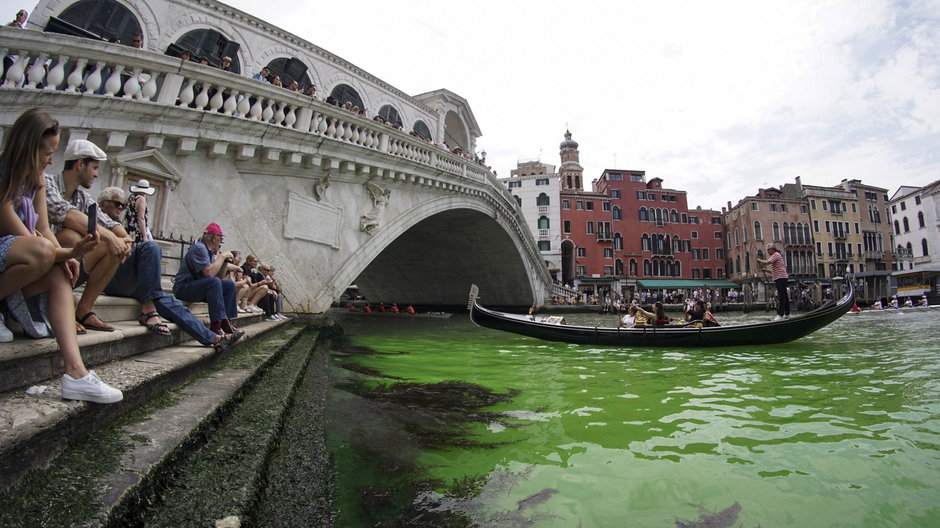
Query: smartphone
x,y
92,219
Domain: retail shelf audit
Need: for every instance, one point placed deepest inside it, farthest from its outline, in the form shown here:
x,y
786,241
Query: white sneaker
x,y
785,317
253,309
90,388
271,318
778,318
5,334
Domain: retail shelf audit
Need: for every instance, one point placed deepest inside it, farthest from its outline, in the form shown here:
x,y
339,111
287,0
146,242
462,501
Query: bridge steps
x,y
34,428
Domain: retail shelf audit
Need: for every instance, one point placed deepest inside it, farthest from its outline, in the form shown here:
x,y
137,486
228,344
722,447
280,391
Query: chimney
x,y
799,184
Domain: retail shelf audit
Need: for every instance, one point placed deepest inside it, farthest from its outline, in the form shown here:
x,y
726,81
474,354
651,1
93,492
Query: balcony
x,y
874,255
543,234
839,236
603,236
543,209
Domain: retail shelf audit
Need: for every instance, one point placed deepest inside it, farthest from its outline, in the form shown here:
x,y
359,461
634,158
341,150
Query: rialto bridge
x,y
328,197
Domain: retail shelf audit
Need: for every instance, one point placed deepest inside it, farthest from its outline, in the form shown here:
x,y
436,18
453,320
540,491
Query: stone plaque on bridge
x,y
313,221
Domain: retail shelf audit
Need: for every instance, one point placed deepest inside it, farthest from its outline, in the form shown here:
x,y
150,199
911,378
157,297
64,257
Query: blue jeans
x,y
217,293
138,277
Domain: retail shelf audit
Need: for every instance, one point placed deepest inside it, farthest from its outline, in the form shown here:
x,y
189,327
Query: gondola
x,y
666,336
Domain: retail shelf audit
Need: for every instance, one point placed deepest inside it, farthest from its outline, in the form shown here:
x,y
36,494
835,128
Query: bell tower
x,y
570,171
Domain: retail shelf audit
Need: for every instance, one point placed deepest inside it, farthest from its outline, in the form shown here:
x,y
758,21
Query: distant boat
x,y
389,313
901,310
666,336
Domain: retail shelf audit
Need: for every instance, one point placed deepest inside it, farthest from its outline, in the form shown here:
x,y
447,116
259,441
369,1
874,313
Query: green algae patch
x,y
222,477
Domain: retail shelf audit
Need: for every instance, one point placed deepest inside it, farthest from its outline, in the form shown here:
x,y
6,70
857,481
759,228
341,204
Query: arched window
x,y
897,228
923,247
618,267
618,242
422,130
799,234
674,217
667,245
676,244
643,216
920,218
659,216
645,242
633,267
518,199
344,93
737,264
212,45
543,222
291,69
389,114
105,19
747,263
757,231
542,199
907,225
910,250
776,228
616,213
647,268
736,242
806,237
676,269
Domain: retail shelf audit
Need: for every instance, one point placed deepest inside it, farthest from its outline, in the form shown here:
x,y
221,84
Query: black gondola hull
x,y
667,336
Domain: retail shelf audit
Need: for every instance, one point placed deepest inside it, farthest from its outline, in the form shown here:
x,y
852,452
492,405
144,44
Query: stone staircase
x,y
36,425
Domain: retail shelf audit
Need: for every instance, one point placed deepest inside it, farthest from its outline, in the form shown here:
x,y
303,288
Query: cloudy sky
x,y
717,98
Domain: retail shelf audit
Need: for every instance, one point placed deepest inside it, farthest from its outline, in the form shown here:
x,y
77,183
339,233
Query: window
x,y
345,93
716,220
696,273
542,199
582,252
615,193
754,206
608,253
608,271
773,207
582,271
719,254
704,253
212,45
645,242
674,216
894,209
920,218
515,184
907,226
644,216
589,205
856,228
590,228
827,226
694,234
897,228
825,205
776,228
717,234
641,195
854,209
636,178
567,226
579,205
633,267
903,206
685,218
758,235
541,181
606,206
565,204
543,222
618,242
804,209
616,213
696,254
651,196
923,247
917,200
783,208
545,245
813,203
613,176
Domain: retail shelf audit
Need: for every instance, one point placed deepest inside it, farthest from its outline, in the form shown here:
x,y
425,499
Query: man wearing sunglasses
x,y
139,278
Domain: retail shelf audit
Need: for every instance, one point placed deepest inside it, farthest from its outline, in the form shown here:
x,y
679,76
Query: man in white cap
x,y
67,201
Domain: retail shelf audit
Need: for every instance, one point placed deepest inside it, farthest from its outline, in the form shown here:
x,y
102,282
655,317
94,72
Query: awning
x,y
597,279
675,284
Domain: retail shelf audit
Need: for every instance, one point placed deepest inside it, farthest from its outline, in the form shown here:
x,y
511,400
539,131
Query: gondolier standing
x,y
778,272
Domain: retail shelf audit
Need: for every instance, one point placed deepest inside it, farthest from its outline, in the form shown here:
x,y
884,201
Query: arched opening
x,y
422,130
343,93
633,267
210,44
542,199
97,19
617,215
543,222
290,69
389,114
567,262
618,267
455,133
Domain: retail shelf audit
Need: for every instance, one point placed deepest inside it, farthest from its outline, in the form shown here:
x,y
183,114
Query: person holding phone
x,y
71,217
31,264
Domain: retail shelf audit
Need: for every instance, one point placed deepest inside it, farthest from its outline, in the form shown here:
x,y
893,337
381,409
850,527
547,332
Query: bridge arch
x,y
431,255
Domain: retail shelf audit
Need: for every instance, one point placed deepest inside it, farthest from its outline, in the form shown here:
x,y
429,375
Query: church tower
x,y
570,170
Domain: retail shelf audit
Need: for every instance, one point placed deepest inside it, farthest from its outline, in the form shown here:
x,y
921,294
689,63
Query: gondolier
x,y
778,272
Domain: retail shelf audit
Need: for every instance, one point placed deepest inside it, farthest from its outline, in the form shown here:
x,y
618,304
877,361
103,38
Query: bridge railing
x,y
71,65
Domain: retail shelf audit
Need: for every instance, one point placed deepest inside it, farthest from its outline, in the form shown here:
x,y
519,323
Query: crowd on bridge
x,y
54,236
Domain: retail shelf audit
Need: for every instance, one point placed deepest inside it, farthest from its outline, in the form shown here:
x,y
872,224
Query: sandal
x,y
83,320
159,328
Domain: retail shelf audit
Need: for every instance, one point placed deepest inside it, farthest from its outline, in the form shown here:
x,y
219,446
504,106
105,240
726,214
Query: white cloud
x,y
717,98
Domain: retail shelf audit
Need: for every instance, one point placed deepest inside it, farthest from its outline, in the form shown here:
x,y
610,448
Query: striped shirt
x,y
778,267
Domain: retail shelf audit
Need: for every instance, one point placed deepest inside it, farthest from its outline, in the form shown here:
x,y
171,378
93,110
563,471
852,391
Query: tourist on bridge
x,y
138,277
31,265
198,279
68,202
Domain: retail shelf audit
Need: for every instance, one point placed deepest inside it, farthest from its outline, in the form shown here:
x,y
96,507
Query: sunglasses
x,y
117,204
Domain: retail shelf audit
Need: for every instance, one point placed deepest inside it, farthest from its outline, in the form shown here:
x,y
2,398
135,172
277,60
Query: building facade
x,y
536,187
915,221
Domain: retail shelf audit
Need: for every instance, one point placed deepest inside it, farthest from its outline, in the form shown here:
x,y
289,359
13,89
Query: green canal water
x,y
841,428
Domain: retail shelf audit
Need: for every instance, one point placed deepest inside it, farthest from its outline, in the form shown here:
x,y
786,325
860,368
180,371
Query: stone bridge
x,y
329,198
